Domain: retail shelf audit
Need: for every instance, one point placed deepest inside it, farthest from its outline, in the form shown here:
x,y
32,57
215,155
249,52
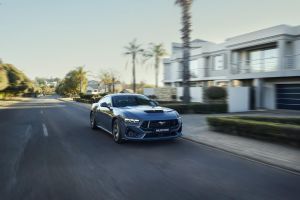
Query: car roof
x,y
125,94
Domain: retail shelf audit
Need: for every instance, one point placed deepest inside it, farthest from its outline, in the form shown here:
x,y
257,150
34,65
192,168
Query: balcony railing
x,y
291,62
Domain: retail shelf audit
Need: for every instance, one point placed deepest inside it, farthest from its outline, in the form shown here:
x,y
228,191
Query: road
x,y
48,151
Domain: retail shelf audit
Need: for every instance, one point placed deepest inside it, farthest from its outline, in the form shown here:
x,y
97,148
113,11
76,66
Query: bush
x,y
258,129
288,120
215,93
198,108
180,108
152,96
89,98
174,97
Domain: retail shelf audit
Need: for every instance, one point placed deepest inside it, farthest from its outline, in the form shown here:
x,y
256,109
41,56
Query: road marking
x,y
28,129
42,112
45,130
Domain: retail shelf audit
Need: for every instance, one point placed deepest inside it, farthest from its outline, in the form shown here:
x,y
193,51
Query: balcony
x,y
271,64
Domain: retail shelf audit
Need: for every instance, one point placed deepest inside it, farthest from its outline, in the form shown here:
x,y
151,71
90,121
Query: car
x,y
135,117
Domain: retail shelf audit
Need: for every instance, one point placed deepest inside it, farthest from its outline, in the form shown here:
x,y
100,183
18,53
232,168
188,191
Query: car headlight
x,y
131,121
178,117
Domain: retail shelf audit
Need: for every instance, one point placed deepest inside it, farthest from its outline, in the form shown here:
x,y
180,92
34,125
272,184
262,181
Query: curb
x,y
249,158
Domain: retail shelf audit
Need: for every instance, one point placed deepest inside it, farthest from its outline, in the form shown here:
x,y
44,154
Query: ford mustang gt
x,y
135,117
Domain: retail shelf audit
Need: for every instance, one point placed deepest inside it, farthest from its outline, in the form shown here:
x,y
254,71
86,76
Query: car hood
x,y
148,112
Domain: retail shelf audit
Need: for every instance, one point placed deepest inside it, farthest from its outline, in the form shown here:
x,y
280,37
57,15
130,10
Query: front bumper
x,y
136,133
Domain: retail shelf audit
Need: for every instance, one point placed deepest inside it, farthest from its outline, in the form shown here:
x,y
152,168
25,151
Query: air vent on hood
x,y
154,111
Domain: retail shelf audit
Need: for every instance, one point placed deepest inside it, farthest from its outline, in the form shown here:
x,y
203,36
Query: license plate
x,y
162,130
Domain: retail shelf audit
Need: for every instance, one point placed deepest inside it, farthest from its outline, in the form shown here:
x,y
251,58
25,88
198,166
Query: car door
x,y
99,113
107,114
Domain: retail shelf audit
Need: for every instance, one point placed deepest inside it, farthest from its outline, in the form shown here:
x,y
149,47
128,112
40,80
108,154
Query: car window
x,y
131,100
106,99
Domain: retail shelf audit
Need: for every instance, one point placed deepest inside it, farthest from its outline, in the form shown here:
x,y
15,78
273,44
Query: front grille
x,y
156,124
155,135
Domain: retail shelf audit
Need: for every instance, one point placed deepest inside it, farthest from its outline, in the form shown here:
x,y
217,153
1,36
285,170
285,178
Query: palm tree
x,y
109,80
81,75
157,52
186,30
133,50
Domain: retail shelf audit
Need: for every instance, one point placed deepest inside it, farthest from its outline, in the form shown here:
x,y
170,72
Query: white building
x,y
267,61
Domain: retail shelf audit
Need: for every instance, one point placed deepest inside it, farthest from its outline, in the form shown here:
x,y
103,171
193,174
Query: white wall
x,y
238,99
297,54
149,91
269,96
195,92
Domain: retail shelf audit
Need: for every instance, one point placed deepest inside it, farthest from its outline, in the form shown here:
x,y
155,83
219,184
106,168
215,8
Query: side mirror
x,y
104,104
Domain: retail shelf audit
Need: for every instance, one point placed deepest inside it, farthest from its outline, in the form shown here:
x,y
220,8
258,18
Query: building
x,y
93,87
51,83
267,61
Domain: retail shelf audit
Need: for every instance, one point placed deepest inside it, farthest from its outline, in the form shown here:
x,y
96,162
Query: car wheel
x,y
92,121
116,132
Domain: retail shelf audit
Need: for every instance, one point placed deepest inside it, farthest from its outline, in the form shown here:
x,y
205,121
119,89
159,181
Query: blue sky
x,y
49,38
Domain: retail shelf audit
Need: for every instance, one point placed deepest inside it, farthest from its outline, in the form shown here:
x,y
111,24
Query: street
x,y
48,151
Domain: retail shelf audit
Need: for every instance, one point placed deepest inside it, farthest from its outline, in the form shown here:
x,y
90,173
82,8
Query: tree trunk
x,y
186,22
156,71
133,74
113,84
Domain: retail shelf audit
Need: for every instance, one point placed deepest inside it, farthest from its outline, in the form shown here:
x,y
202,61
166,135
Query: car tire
x,y
116,132
93,121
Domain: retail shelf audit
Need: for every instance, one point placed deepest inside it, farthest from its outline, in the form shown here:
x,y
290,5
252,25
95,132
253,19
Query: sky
x,y
48,38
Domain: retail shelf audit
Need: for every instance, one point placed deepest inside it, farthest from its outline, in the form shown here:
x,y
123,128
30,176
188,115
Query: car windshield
x,y
131,100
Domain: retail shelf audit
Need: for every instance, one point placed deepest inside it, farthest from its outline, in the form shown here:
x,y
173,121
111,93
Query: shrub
x,y
180,108
287,120
152,96
198,108
263,130
174,97
208,108
215,93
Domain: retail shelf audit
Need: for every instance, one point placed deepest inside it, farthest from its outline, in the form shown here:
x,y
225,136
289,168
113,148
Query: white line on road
x,y
45,130
28,129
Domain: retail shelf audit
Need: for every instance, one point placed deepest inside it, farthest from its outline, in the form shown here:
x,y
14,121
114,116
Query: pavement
x,y
274,154
8,102
48,151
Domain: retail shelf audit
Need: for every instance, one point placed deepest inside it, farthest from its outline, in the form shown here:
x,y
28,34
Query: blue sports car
x,y
135,117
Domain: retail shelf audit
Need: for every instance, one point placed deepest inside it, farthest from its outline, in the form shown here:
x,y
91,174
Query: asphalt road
x,y
48,151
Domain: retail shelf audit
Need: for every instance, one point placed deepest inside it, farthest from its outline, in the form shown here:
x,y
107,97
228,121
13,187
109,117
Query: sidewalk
x,y
196,129
5,103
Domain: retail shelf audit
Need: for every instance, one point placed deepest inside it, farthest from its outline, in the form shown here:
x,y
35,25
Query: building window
x,y
179,70
263,60
194,65
219,62
270,59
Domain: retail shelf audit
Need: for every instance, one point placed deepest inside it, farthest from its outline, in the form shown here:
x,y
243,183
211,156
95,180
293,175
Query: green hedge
x,y
197,108
88,101
215,92
287,120
282,132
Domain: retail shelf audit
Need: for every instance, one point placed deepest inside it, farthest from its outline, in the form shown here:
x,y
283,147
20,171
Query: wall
x,y
297,54
149,91
162,94
195,92
269,96
238,99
